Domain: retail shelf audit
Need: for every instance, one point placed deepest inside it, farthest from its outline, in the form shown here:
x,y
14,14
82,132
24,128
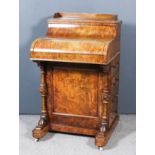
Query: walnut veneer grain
x,y
79,62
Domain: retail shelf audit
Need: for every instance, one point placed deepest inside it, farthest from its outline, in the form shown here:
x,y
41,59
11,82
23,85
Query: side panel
x,y
75,91
73,99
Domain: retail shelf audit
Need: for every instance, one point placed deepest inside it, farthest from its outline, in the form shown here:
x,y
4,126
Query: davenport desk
x,y
79,62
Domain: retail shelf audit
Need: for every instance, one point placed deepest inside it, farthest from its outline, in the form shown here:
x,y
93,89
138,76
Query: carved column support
x,y
105,102
43,89
105,105
100,139
42,126
106,96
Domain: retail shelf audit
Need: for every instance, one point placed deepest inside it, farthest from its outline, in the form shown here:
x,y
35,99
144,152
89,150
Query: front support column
x,y
101,139
105,129
43,124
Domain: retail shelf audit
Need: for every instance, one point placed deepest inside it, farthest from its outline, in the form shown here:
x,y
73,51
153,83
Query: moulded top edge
x,y
82,21
85,16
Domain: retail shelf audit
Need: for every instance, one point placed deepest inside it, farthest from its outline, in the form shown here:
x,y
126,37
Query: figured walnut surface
x,y
78,89
76,30
74,50
82,40
77,25
79,46
79,62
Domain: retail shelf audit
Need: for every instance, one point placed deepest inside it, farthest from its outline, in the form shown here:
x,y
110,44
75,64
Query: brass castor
x,y
36,139
100,148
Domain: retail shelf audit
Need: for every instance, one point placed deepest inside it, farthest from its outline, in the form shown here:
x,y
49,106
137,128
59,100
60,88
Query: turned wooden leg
x,y
43,125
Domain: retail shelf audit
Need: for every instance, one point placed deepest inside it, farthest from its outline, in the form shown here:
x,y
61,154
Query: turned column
x,y
42,126
100,139
43,90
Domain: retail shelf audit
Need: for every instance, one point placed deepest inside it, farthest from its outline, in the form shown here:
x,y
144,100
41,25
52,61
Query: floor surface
x,y
122,141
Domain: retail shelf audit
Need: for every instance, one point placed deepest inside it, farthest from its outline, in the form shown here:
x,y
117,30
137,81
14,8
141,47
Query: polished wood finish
x,y
85,16
79,62
43,127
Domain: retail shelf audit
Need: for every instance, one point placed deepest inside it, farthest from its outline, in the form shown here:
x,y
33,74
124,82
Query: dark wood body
x,y
79,97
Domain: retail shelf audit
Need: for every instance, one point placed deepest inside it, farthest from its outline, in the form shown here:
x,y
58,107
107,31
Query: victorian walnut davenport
x,y
79,62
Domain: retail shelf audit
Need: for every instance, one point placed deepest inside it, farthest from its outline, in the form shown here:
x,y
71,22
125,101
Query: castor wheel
x,y
36,139
100,148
